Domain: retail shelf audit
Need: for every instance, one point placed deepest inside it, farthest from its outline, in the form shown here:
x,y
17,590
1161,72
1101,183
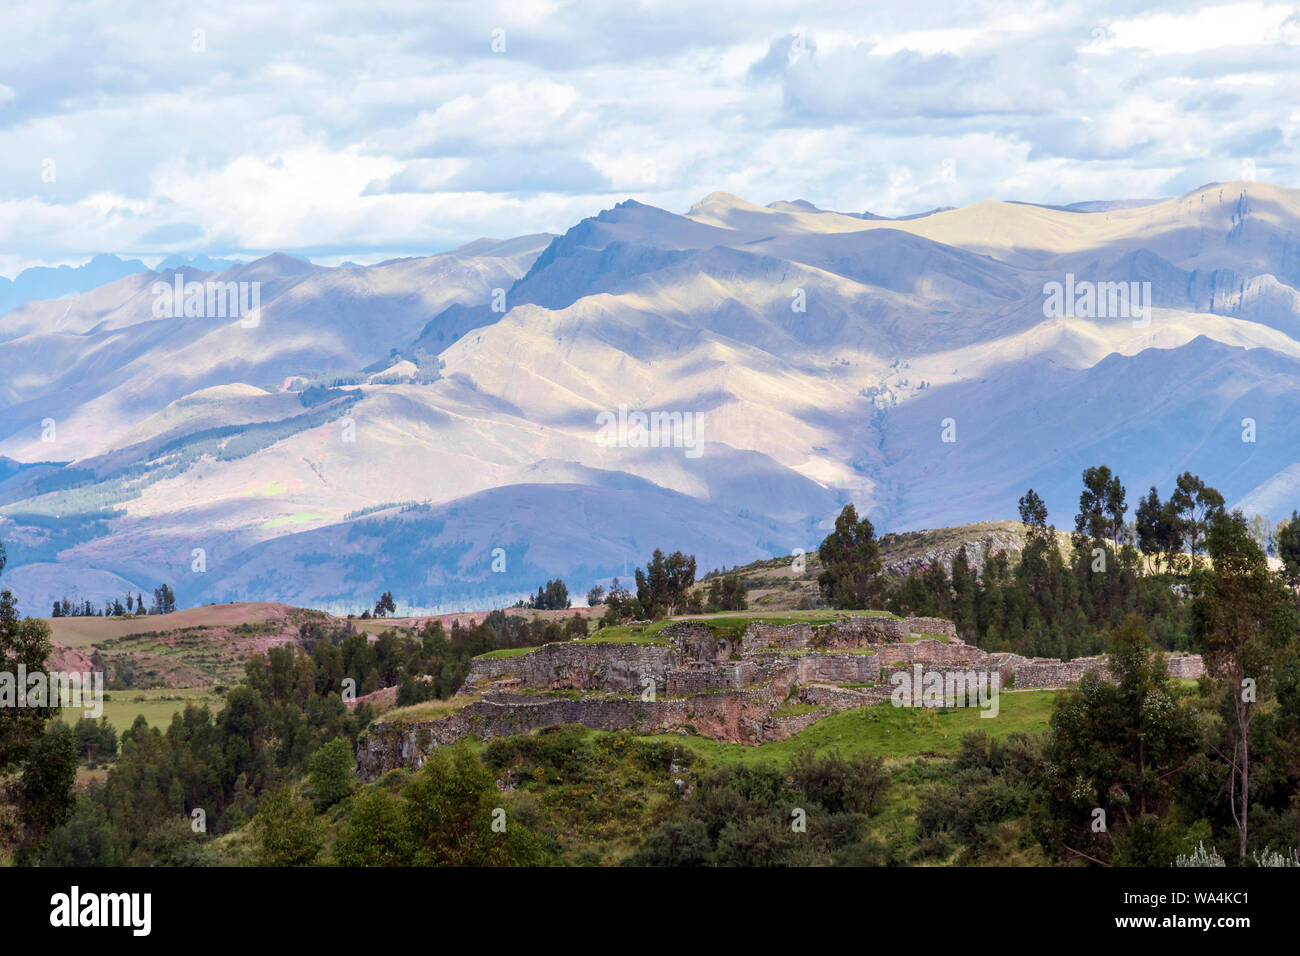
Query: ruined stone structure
x,y
696,677
690,680
838,668
1185,665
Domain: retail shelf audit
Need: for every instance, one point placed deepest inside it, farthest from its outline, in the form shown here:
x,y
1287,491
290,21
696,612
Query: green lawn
x,y
509,652
886,730
628,634
157,705
727,624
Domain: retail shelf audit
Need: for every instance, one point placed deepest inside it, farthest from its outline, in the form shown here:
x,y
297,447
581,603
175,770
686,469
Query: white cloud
x,y
342,130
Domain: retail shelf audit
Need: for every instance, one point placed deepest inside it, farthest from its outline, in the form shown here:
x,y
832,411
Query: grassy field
x,y
729,624
157,705
428,710
893,732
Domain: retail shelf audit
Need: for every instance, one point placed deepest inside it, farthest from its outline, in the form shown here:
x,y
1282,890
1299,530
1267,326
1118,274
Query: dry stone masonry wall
x,y
689,679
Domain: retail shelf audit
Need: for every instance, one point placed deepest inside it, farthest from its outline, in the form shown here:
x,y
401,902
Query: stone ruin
x,y
691,680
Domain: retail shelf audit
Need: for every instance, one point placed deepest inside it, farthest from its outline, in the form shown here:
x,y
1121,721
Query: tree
x,y
1033,512
23,642
1242,616
1034,557
596,595
675,843
662,588
1195,505
1157,527
287,830
45,791
45,761
96,740
444,817
727,593
1287,540
331,773
375,833
554,596
850,557
164,600
1101,506
1120,748
385,605
1261,531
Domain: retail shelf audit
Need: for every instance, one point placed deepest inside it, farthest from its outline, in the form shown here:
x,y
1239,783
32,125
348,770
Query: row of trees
x,y
164,602
1058,597
553,596
663,588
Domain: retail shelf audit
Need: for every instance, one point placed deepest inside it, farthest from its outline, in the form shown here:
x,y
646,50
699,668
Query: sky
x,y
362,131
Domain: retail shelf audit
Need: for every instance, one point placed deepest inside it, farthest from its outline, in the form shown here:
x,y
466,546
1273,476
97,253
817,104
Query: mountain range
x,y
55,282
433,426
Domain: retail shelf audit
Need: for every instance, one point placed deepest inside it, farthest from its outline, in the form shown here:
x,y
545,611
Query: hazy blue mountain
x,y
55,282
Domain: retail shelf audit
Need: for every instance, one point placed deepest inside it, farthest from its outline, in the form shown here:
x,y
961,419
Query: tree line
x,y
164,602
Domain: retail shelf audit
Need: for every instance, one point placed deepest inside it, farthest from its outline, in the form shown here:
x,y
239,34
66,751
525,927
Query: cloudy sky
x,y
365,130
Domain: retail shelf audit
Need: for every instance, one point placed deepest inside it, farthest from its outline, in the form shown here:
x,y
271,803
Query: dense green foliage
x,y
449,813
726,593
850,557
1055,602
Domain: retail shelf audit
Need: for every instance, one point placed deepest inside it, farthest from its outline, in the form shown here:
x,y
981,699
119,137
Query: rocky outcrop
x,y
978,551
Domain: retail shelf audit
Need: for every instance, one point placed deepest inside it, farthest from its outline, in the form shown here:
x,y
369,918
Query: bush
x,y
287,830
331,773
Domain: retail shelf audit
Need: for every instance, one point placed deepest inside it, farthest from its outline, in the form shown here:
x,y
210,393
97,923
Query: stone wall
x,y
1047,673
1185,665
930,651
837,698
738,717
579,666
838,668
845,634
856,632
932,625
693,641
703,676
760,637
1005,663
